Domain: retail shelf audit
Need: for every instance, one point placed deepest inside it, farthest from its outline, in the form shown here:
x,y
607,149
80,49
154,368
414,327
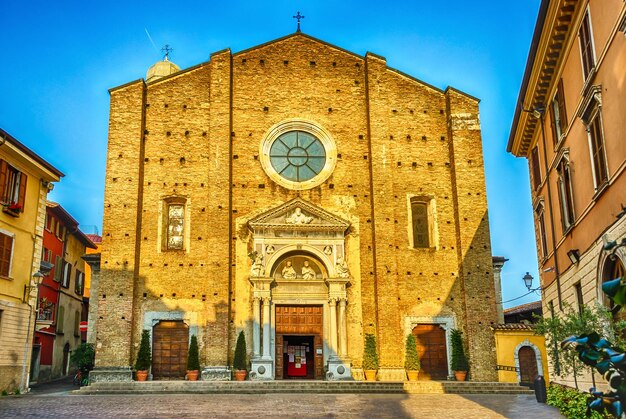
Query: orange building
x,y
569,124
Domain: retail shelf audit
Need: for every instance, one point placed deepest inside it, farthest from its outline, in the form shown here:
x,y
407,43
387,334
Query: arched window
x,y
613,269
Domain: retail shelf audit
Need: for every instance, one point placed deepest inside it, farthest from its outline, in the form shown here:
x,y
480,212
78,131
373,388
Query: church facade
x,y
304,195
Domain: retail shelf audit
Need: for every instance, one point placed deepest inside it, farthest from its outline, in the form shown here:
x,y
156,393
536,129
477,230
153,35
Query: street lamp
x,y
528,281
38,279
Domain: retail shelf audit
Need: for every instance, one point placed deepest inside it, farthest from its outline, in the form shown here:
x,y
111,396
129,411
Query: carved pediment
x,y
299,215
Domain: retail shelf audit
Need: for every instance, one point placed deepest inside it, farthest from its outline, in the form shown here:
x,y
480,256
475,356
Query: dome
x,y
161,69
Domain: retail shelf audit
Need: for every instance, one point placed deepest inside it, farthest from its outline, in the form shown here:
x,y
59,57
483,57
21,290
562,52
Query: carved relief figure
x,y
307,271
342,268
269,249
257,269
297,217
328,250
288,271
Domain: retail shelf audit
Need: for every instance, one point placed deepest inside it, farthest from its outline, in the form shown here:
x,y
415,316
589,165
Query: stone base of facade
x,y
110,374
339,370
262,369
219,373
391,374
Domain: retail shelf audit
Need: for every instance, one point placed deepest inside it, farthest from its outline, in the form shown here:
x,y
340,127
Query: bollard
x,y
540,389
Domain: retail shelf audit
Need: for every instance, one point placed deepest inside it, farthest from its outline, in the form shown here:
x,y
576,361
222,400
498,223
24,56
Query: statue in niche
x,y
269,249
288,272
328,250
342,268
257,269
297,217
307,271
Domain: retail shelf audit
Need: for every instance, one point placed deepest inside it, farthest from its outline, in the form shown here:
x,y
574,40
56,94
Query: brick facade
x,y
196,136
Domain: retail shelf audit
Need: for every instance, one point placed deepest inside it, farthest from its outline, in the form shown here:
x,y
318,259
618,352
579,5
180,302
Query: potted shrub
x,y
193,362
411,360
370,358
144,357
83,358
459,360
240,363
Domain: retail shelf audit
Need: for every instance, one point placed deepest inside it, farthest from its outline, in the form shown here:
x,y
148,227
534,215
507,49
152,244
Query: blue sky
x,y
61,57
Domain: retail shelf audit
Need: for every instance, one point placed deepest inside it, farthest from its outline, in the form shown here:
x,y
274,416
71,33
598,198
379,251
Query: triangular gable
x,y
298,214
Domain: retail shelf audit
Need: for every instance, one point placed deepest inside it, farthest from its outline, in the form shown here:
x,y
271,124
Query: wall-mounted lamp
x,y
573,255
528,281
37,280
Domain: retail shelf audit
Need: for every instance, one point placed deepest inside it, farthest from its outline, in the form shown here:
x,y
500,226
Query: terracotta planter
x,y
240,375
192,375
460,375
413,375
141,375
370,375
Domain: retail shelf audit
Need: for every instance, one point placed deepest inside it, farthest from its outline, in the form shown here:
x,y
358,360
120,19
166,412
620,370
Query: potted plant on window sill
x,y
370,358
240,362
144,357
12,208
193,362
411,360
460,364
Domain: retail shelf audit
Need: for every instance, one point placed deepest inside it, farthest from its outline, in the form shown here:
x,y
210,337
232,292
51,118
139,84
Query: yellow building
x,y
25,180
521,354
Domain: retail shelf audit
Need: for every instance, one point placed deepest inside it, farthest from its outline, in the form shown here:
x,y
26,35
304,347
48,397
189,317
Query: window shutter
x,y
536,168
6,245
22,191
58,268
561,102
4,168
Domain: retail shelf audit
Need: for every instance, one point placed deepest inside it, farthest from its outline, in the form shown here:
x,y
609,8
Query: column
x,y
256,327
332,303
343,332
266,328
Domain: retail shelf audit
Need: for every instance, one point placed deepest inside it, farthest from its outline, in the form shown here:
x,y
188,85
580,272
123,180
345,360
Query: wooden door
x,y
527,365
299,321
432,352
169,350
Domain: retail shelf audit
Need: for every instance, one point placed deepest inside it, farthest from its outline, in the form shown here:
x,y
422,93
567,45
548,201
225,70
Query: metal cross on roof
x,y
167,50
298,16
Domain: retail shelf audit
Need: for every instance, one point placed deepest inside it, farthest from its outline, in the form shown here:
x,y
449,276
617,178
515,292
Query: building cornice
x,y
553,32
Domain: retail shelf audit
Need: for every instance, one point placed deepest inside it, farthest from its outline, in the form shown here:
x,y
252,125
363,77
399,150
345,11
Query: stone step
x,y
256,387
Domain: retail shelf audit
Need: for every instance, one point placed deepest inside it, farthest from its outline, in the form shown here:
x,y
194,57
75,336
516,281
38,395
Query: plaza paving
x,y
57,402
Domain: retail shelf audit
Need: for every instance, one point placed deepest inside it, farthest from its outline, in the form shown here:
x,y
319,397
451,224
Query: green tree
x,y
240,362
83,358
411,360
144,356
370,356
459,360
193,361
571,321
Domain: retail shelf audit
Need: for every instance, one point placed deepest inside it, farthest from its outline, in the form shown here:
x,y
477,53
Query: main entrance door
x,y
169,349
299,348
431,349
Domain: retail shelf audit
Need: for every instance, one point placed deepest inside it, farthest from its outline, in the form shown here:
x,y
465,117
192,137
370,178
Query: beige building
x,y
301,193
570,126
25,180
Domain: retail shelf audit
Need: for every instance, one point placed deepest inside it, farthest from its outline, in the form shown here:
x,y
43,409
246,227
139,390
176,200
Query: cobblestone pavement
x,y
62,404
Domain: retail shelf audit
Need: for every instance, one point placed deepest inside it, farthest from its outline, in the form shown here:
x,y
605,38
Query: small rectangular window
x,y
421,233
61,320
596,145
6,253
541,226
586,45
175,226
12,187
76,323
79,282
566,198
67,274
58,268
578,290
535,168
559,116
